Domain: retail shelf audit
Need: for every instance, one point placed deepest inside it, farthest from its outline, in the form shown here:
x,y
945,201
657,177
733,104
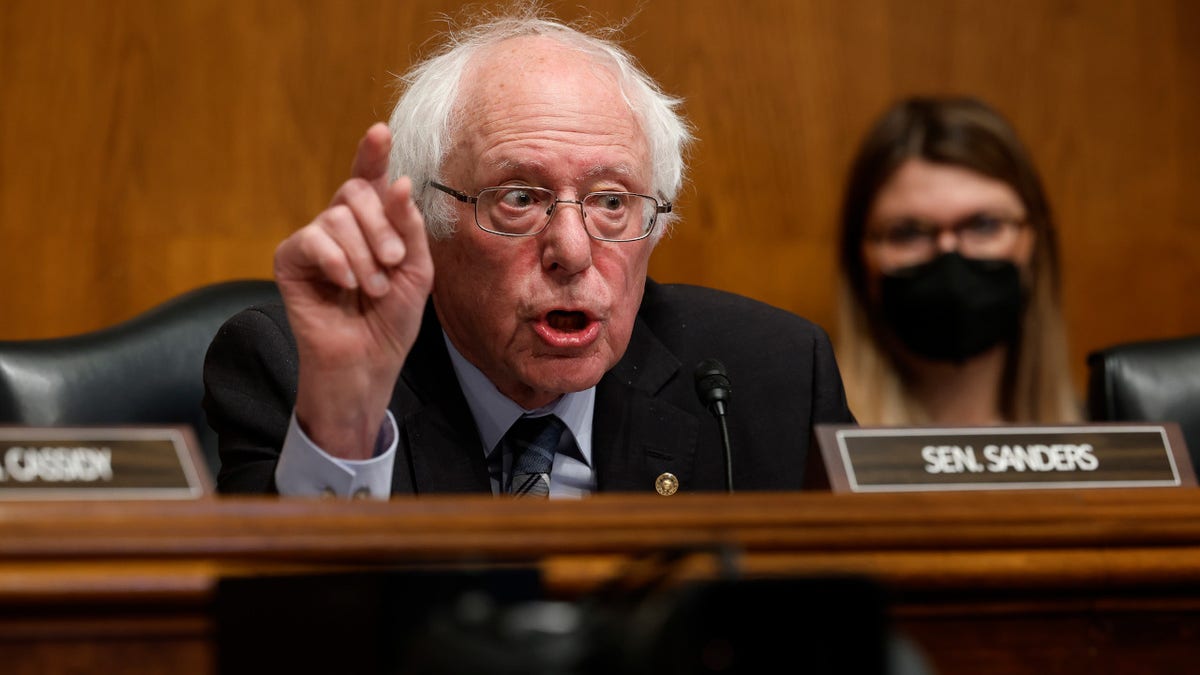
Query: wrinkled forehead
x,y
537,93
528,70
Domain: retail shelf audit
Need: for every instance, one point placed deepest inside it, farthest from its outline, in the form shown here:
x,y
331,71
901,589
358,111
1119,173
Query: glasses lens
x,y
619,216
983,236
513,210
907,235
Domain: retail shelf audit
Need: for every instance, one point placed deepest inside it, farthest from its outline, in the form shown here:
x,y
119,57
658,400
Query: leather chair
x,y
1149,381
147,370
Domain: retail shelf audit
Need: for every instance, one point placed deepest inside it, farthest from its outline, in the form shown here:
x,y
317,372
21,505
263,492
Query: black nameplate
x,y
910,459
101,463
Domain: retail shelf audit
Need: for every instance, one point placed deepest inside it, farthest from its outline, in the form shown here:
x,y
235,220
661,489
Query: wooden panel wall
x,y
149,147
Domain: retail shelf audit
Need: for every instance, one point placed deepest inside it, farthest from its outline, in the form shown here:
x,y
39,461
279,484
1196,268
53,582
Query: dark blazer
x,y
648,418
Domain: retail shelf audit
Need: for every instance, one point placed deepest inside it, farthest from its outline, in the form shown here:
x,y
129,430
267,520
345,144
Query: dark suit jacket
x,y
648,418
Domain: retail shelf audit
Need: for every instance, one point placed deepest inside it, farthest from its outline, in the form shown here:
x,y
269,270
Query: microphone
x,y
714,390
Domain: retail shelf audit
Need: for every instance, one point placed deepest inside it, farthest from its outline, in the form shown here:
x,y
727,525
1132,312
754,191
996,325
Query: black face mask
x,y
953,308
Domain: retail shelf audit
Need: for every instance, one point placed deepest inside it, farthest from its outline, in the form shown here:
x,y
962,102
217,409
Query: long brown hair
x,y
967,133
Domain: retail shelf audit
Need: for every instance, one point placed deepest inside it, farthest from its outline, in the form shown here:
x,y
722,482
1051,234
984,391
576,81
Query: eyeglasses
x,y
980,235
524,211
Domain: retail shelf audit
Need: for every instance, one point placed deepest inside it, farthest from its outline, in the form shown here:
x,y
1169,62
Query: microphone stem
x,y
728,454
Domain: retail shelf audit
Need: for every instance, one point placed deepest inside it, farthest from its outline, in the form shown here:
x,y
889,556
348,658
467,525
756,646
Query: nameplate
x,y
913,459
101,463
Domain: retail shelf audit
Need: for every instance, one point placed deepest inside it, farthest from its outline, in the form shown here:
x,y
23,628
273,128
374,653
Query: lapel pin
x,y
666,484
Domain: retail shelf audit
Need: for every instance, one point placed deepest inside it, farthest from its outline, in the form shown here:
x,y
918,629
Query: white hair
x,y
426,115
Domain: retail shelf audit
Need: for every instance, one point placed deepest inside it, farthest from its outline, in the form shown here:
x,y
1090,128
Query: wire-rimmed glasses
x,y
524,211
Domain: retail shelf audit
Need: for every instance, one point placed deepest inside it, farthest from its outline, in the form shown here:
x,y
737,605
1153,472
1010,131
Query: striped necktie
x,y
532,443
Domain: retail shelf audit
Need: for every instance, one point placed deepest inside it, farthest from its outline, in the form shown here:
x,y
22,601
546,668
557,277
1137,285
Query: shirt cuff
x,y
304,470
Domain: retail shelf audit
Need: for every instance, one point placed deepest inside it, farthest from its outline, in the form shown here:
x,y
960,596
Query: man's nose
x,y
566,244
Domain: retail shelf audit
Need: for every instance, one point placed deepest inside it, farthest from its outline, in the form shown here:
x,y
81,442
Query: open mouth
x,y
567,321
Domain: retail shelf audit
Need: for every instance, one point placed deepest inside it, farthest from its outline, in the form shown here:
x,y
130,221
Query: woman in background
x,y
950,312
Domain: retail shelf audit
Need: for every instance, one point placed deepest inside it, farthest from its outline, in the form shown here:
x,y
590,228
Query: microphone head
x,y
712,385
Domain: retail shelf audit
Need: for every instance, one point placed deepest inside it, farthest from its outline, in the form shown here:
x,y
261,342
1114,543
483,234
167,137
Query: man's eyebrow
x,y
520,166
608,170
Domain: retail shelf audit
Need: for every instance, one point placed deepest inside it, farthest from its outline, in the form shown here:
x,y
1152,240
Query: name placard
x,y
912,459
101,463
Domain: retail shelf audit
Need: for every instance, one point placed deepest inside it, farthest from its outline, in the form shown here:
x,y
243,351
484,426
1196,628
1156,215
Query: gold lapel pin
x,y
666,484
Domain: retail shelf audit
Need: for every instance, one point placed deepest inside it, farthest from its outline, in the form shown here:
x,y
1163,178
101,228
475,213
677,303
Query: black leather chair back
x,y
147,370
1149,381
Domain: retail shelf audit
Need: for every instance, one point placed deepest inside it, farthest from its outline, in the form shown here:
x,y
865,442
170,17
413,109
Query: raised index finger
x,y
371,160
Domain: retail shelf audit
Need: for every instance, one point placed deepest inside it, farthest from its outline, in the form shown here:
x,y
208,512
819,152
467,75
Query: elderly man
x,y
479,317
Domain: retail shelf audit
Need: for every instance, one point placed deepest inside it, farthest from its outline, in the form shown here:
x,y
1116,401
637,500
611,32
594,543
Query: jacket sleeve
x,y
250,379
829,393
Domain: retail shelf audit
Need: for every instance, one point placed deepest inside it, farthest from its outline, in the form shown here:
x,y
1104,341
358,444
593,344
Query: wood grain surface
x,y
1100,581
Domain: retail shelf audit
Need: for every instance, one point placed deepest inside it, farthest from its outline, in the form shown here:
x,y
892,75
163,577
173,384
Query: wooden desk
x,y
1099,581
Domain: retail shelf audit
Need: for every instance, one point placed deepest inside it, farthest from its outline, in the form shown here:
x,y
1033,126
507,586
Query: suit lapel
x,y
444,455
440,451
636,435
